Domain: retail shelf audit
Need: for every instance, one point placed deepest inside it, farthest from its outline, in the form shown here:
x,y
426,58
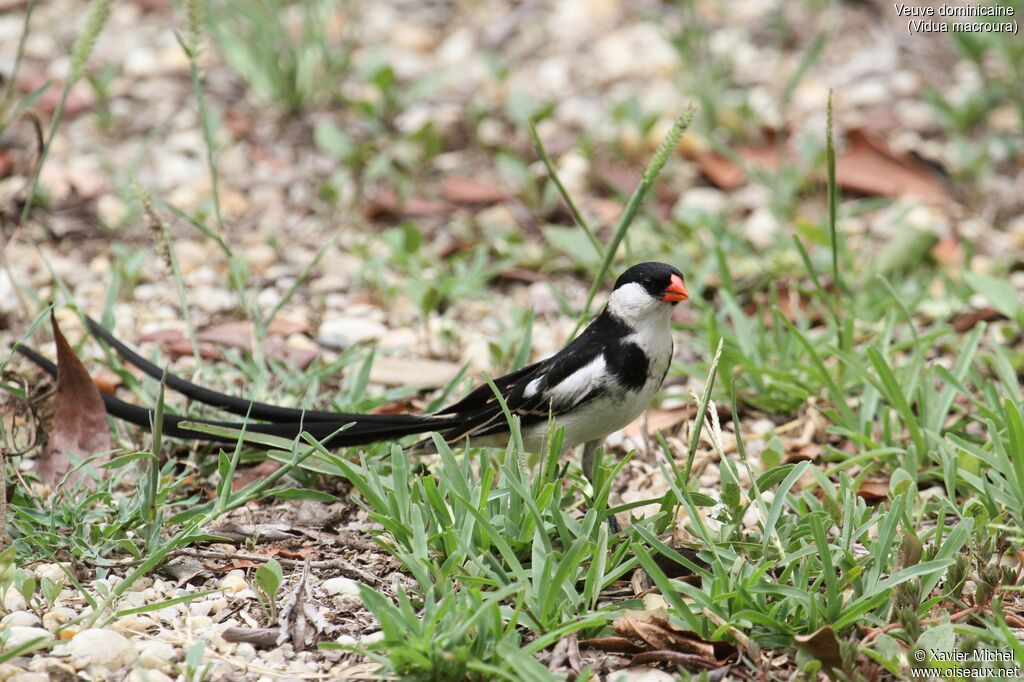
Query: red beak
x,y
676,290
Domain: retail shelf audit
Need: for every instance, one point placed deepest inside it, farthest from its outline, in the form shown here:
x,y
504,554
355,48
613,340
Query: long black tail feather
x,y
222,401
362,428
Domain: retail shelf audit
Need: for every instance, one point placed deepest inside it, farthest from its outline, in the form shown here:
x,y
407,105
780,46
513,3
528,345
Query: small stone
x,y
640,674
259,257
98,647
154,654
54,619
13,601
246,652
23,676
136,622
761,227
52,572
147,676
234,582
342,332
392,371
341,585
20,634
22,618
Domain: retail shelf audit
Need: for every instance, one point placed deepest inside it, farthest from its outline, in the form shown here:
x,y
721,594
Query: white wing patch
x,y
531,388
577,385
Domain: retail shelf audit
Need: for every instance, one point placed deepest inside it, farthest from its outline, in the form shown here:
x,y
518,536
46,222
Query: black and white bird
x,y
600,382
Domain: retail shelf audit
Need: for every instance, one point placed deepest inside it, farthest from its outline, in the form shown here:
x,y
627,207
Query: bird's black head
x,y
662,281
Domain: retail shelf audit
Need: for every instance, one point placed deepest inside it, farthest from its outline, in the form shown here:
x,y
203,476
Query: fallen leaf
x,y
823,645
247,475
966,321
460,189
106,381
869,166
866,166
80,419
808,452
874,491
299,554
230,334
948,252
618,645
385,203
674,658
653,629
658,420
79,99
726,174
174,342
1013,620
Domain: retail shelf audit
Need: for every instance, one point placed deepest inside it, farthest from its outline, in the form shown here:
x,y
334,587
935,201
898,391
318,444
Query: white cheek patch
x,y
630,301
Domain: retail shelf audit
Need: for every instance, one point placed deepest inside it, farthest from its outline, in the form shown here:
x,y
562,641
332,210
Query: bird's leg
x,y
589,461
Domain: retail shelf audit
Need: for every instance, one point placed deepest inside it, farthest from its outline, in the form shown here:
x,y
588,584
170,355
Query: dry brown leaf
x,y
658,420
873,491
618,645
866,166
808,452
277,348
948,252
236,334
247,475
175,343
79,99
385,203
80,419
106,381
966,321
461,189
654,629
869,166
674,658
725,174
823,645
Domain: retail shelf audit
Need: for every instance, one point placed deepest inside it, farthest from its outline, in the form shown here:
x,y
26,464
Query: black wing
x,y
533,392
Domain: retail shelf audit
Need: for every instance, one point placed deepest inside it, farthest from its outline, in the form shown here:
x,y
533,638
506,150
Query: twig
x,y
345,567
925,621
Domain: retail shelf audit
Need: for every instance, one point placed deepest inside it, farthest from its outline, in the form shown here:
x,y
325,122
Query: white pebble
x,y
154,654
13,601
641,674
234,582
341,585
342,332
97,647
22,618
147,676
20,634
245,652
52,572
